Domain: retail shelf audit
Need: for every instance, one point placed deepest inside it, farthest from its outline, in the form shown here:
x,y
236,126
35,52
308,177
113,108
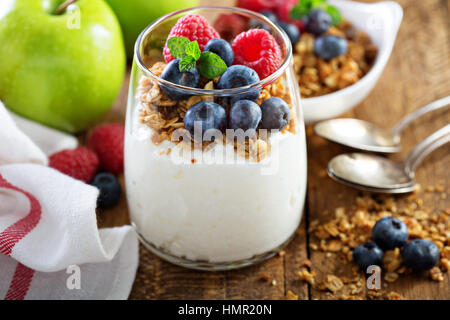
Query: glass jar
x,y
220,204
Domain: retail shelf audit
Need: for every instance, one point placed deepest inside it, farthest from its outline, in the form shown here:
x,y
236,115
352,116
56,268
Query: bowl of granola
x,y
340,48
330,87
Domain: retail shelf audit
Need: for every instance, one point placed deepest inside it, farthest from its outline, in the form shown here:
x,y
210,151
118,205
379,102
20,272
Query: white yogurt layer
x,y
214,211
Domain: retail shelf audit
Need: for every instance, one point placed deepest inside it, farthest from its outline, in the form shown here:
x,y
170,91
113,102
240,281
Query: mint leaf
x,y
187,64
177,46
193,50
211,65
302,9
334,13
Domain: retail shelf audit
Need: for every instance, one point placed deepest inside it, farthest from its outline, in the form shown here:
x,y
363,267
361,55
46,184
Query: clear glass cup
x,y
216,205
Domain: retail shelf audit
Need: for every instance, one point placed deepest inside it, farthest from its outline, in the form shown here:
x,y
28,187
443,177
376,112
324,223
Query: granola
x,y
307,276
164,115
436,274
291,296
333,283
317,77
351,226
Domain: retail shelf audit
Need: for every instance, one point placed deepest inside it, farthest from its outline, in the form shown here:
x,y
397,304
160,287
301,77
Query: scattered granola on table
x,y
305,275
291,296
351,226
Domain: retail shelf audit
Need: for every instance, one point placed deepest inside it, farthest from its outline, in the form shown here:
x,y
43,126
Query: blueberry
x,y
256,24
172,74
245,115
210,115
222,48
275,114
420,254
318,22
291,30
270,15
239,76
329,47
390,233
367,254
110,189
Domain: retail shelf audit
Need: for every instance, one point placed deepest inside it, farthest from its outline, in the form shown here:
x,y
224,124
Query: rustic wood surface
x,y
418,72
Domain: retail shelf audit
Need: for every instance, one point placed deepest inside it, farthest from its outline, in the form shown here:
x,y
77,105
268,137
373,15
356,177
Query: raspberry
x,y
195,28
107,142
283,11
257,49
80,163
256,5
230,25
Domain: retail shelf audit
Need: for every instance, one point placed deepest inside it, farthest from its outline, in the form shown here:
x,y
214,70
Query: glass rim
x,y
223,92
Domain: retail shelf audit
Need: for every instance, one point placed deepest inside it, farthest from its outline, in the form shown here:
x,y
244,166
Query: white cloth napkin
x,y
15,146
47,139
50,246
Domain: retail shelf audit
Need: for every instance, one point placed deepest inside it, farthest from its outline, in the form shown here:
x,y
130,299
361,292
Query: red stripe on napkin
x,y
20,283
17,231
23,275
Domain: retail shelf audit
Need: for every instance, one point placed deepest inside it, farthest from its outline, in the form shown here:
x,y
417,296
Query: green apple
x,y
63,69
135,15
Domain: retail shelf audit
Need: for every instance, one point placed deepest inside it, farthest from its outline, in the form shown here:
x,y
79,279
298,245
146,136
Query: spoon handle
x,y
405,121
431,143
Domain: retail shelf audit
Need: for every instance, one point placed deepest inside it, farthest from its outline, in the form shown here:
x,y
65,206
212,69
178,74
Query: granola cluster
x,y
164,115
317,77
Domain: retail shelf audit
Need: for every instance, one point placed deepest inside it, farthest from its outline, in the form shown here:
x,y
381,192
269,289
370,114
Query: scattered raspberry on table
x,y
107,141
80,163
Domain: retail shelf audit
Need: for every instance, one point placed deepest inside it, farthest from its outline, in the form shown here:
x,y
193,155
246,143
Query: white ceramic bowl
x,y
381,22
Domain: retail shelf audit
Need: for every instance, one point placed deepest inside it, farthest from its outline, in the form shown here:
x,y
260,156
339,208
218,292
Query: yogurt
x,y
214,211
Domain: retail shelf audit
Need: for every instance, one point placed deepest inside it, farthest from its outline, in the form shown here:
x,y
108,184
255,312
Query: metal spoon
x,y
378,174
363,135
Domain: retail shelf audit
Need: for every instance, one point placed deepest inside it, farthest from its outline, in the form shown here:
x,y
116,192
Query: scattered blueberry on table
x,y
110,189
367,254
420,254
390,233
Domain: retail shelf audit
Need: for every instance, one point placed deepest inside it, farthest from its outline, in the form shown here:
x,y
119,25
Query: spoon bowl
x,y
363,135
378,174
358,134
371,173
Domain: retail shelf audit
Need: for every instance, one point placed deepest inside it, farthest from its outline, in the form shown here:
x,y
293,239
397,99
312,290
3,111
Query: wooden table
x,y
418,72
